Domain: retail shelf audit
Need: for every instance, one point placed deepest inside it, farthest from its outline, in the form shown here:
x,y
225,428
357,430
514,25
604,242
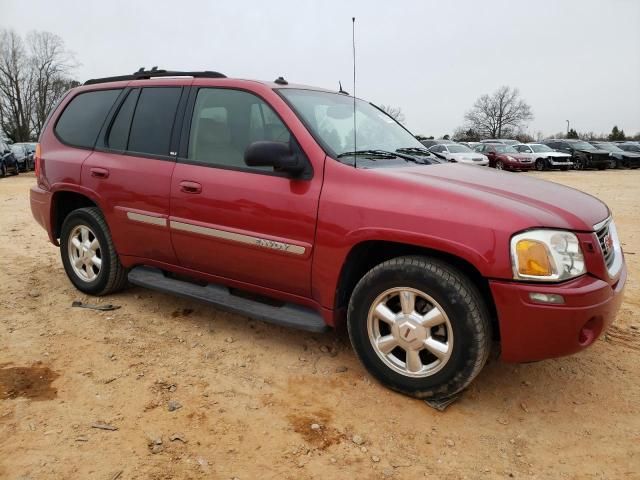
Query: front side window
x,y
458,149
225,122
83,117
330,117
153,120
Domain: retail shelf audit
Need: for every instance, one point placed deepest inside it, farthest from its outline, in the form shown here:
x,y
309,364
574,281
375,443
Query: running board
x,y
288,315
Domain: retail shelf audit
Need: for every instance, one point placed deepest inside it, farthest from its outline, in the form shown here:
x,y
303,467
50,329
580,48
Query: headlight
x,y
510,158
546,256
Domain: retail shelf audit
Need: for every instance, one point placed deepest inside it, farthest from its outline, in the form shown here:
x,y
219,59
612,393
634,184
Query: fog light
x,y
546,298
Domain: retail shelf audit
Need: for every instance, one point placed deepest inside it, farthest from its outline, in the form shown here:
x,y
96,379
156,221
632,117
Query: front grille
x,y
606,245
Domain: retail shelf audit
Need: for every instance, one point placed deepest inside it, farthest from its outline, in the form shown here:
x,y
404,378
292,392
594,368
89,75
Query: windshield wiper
x,y
369,153
383,154
415,150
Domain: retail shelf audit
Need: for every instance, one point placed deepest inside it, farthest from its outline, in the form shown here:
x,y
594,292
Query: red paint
x,y
463,211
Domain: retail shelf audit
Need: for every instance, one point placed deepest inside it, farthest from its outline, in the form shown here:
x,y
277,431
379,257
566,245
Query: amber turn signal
x,y
533,258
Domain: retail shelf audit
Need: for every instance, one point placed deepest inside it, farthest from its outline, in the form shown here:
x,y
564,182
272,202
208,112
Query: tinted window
x,y
82,119
119,133
226,121
153,120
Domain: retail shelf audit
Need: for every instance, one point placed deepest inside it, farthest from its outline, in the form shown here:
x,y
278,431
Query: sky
x,y
576,60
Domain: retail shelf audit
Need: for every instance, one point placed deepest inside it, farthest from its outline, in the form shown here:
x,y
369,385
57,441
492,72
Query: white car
x,y
454,152
545,157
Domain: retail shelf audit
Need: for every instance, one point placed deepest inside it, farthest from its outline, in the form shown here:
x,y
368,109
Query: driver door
x,y
248,224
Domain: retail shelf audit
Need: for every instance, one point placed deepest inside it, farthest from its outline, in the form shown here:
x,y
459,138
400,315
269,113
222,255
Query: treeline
x,y
35,71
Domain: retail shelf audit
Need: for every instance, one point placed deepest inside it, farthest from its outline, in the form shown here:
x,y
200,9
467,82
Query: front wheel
x,y
88,254
541,165
499,165
419,326
3,170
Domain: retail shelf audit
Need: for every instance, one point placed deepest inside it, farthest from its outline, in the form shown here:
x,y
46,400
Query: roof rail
x,y
143,74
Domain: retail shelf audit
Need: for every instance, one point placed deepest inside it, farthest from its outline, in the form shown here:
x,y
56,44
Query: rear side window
x,y
119,133
153,120
82,119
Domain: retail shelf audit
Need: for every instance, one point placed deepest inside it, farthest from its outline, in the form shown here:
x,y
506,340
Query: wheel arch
x,y
367,254
63,202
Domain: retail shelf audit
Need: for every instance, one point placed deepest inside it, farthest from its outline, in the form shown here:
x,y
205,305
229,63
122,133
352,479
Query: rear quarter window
x,y
82,119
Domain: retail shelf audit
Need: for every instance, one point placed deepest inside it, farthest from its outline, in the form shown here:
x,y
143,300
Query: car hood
x,y
594,152
556,154
629,154
533,202
467,155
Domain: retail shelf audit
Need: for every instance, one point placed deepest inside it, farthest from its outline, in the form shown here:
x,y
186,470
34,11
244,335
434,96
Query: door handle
x,y
99,172
187,186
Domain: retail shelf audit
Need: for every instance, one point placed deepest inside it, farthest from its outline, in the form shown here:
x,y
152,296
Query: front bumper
x,y
520,166
559,163
531,331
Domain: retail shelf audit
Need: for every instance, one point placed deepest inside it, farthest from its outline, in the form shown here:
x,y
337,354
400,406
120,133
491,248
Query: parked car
x,y
544,157
619,158
503,141
504,157
8,161
431,143
211,187
455,152
629,147
583,154
24,156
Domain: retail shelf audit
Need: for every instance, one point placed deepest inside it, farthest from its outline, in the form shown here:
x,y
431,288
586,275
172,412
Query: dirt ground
x,y
86,394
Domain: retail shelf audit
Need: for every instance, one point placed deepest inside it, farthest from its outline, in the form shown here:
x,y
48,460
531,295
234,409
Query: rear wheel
x,y
88,254
419,326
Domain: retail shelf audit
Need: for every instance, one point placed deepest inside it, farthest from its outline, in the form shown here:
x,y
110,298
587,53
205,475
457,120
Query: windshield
x,y
583,146
458,149
541,148
504,148
329,116
609,148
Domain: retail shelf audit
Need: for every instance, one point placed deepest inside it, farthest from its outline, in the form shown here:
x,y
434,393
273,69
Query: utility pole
x,y
567,127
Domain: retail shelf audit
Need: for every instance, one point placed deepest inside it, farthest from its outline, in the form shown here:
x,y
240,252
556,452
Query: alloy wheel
x,y
410,332
85,253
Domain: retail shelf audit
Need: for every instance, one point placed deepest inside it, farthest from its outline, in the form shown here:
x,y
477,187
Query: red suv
x,y
267,199
505,157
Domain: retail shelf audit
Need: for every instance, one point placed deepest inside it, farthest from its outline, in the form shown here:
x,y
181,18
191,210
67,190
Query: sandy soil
x,y
250,392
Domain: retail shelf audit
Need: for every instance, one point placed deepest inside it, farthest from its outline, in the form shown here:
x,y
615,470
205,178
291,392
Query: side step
x,y
288,315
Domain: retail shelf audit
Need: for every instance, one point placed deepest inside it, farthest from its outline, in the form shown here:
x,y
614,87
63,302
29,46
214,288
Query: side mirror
x,y
274,154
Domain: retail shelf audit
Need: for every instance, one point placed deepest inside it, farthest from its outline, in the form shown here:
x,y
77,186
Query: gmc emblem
x,y
607,242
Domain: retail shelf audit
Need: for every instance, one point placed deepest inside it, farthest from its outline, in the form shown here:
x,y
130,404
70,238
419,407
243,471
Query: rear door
x,y
248,224
131,171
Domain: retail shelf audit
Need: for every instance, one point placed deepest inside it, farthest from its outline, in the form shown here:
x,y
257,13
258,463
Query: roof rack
x,y
143,74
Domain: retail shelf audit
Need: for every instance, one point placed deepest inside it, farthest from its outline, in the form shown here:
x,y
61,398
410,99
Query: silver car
x,y
545,157
454,152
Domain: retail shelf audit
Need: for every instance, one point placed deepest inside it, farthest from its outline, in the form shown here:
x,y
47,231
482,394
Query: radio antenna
x,y
355,138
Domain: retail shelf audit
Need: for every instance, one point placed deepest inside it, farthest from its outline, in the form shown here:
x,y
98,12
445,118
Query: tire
x,y
541,165
499,165
564,169
579,164
3,170
110,276
464,331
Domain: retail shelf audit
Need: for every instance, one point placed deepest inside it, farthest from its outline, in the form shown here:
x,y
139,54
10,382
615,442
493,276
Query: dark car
x,y
583,154
629,147
24,155
8,161
505,157
618,157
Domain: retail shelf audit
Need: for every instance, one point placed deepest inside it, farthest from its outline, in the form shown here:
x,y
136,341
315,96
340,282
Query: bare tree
x,y
51,64
394,112
15,87
33,77
502,113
